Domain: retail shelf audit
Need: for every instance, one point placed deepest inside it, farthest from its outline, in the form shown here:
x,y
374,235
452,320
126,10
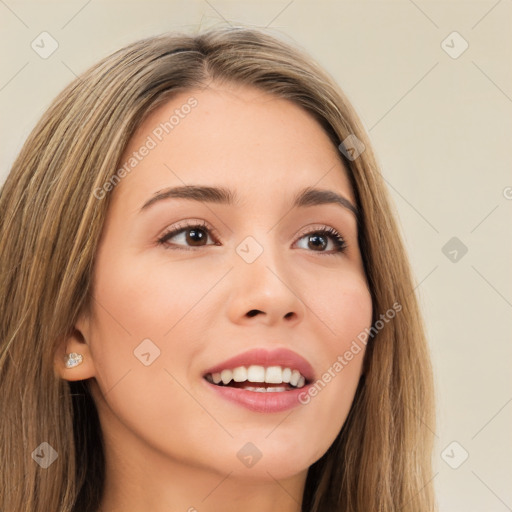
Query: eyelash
x,y
339,242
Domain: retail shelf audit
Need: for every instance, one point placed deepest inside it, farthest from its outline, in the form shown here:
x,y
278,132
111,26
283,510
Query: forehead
x,y
256,143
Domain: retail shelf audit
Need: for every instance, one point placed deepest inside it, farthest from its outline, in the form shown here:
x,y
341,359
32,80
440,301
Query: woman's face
x,y
211,249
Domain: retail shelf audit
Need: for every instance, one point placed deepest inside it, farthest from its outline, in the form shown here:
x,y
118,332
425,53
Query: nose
x,y
263,292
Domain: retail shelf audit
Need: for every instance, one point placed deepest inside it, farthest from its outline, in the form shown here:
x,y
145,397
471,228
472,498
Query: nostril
x,y
253,312
289,315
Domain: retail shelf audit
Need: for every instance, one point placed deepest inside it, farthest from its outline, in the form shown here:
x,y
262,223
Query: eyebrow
x,y
220,195
314,196
204,194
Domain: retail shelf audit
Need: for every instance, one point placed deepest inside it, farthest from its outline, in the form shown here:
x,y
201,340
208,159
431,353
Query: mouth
x,y
259,379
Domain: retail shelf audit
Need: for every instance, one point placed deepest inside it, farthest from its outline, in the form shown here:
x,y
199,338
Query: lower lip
x,y
261,401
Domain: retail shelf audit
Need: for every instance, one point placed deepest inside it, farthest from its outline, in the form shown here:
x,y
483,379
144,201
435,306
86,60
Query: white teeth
x,y
294,379
266,390
287,373
273,375
240,374
276,389
256,373
226,376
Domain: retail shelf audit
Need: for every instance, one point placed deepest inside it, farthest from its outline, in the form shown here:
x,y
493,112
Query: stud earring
x,y
73,359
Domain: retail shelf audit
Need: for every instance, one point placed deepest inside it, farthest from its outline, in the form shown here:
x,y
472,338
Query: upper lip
x,y
264,357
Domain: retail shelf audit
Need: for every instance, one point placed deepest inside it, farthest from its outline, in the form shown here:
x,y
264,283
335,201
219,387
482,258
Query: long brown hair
x,y
50,223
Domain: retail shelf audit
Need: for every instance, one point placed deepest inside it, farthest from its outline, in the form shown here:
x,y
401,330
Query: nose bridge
x,y
260,260
262,282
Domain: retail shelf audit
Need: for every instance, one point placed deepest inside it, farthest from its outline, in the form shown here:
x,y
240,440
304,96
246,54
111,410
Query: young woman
x,y
206,304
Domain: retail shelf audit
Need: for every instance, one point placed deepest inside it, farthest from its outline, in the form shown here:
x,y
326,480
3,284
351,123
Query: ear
x,y
75,342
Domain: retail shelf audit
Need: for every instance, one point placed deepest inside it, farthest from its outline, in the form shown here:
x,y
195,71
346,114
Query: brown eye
x,y
317,242
196,236
183,237
326,240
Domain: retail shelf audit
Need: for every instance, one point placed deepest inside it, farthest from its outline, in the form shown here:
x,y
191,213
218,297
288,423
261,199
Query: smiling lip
x,y
266,402
261,402
262,357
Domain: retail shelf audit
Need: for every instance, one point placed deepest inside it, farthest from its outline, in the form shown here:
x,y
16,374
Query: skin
x,y
171,442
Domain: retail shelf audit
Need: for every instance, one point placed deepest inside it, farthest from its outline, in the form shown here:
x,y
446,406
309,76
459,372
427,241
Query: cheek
x,y
142,343
350,316
146,331
342,304
151,298
141,311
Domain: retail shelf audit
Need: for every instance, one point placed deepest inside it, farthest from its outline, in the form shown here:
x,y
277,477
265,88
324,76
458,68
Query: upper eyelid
x,y
188,224
318,227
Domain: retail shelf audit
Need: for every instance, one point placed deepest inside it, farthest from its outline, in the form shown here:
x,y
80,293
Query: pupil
x,y
317,241
195,236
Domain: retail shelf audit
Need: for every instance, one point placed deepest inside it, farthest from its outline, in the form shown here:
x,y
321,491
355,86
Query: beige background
x,y
440,126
